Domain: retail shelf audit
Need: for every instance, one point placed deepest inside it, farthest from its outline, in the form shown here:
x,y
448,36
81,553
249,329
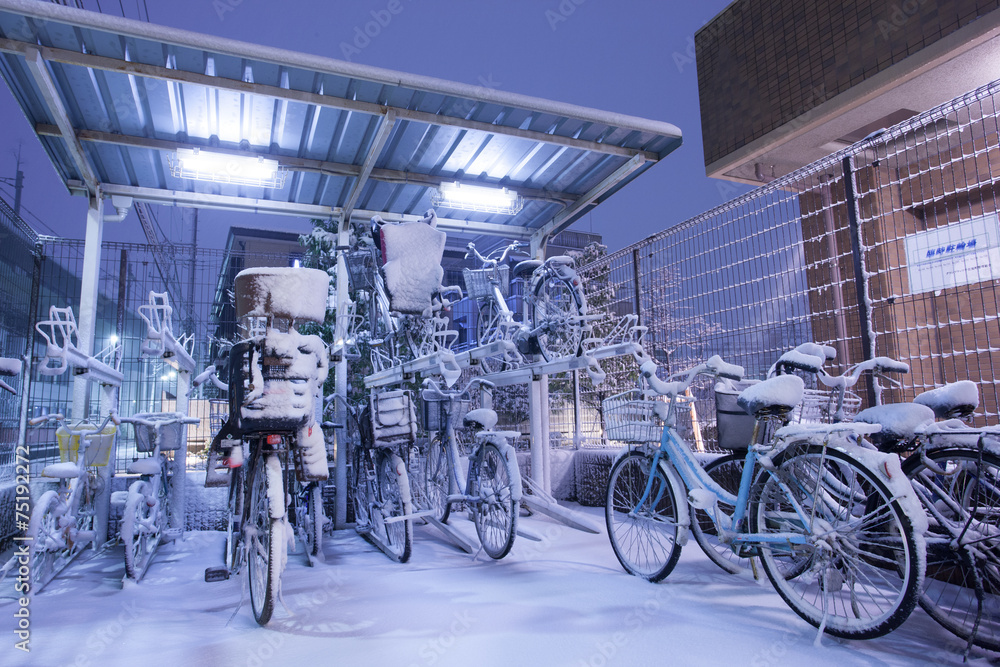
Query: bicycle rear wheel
x,y
558,306
235,520
491,481
140,530
857,574
644,537
726,471
392,504
262,538
488,330
961,589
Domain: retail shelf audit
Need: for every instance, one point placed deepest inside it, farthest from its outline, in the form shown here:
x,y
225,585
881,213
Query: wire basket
x,y
479,282
434,414
629,417
819,406
361,270
392,416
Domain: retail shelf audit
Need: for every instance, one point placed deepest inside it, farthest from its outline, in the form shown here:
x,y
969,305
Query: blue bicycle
x,y
832,523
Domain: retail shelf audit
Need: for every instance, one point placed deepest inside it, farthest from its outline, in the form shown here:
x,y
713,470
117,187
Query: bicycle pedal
x,y
219,573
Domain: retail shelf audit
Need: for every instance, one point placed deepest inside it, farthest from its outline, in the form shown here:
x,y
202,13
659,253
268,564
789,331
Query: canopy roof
x,y
112,99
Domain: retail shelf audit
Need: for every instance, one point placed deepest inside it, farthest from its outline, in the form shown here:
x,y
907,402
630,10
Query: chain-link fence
x,y
888,248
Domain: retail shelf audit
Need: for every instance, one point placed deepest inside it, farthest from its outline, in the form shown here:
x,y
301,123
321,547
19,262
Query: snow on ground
x,y
563,600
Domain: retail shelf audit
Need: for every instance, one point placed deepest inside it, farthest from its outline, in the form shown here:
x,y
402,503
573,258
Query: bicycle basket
x,y
819,405
361,270
734,425
478,282
170,435
98,448
393,417
629,417
434,413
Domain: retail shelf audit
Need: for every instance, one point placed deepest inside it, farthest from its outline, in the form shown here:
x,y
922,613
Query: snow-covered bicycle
x,y
492,488
838,539
147,503
62,519
556,321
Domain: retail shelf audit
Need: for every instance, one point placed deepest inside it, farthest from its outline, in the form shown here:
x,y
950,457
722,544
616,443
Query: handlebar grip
x,y
648,370
725,369
35,421
889,365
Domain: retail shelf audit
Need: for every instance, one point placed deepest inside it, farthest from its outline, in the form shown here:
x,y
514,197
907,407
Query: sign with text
x,y
958,254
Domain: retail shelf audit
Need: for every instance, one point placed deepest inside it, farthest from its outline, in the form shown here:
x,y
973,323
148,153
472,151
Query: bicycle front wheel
x,y
491,481
643,535
262,539
557,308
961,493
857,573
392,506
726,471
47,540
140,529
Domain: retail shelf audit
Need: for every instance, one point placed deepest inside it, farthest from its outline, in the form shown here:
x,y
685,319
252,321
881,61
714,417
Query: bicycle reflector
x,y
274,439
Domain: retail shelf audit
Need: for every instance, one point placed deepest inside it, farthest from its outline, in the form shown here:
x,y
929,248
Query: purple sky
x,y
635,58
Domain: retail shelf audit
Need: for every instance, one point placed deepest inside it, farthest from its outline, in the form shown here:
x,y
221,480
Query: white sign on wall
x,y
958,254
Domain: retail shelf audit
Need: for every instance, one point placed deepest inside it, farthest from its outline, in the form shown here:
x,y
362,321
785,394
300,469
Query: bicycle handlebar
x,y
60,419
714,366
489,262
853,374
432,390
175,418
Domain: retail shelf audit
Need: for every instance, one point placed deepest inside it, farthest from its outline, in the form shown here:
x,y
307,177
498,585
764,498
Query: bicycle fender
x,y
680,502
275,487
510,456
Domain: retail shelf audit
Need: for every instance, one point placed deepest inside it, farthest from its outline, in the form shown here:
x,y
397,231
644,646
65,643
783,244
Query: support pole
x,y
179,464
87,322
860,285
340,383
536,407
545,478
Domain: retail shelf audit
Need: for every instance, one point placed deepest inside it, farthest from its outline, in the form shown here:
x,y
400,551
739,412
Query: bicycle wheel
x,y
140,529
857,574
437,479
491,481
644,538
363,471
488,330
262,535
557,307
47,539
725,471
309,518
961,589
392,494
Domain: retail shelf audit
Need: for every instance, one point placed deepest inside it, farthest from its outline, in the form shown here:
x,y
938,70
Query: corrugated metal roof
x,y
111,100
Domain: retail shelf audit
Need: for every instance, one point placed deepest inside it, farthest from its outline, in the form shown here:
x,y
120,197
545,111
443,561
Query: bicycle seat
x,y
527,267
482,418
146,466
64,470
775,396
954,400
900,423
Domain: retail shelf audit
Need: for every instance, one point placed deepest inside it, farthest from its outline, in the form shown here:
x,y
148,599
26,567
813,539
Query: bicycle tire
x,y
263,533
362,476
437,479
949,593
646,546
47,540
559,306
488,330
857,580
491,480
392,493
141,529
726,471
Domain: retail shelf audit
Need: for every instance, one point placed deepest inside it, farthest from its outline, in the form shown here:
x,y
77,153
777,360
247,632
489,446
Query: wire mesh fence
x,y
888,248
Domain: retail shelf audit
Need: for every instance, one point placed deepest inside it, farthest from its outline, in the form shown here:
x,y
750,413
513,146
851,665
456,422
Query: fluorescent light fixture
x,y
477,198
201,165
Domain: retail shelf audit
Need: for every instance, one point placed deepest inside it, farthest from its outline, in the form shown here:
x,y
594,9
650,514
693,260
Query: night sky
x,y
630,57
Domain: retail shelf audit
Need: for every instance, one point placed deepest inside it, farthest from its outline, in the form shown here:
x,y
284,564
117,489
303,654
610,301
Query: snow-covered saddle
x,y
412,269
900,424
